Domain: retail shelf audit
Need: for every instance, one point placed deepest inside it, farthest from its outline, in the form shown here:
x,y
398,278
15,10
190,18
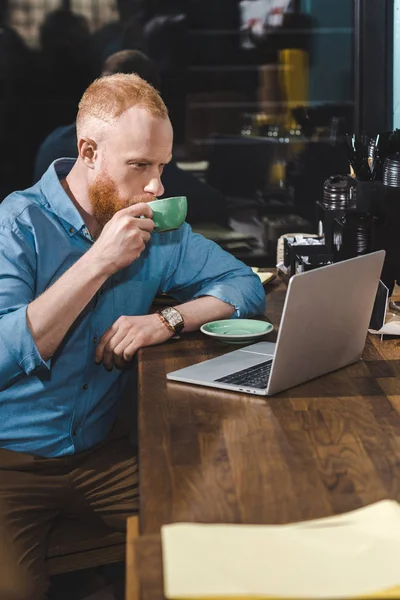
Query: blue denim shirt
x,y
68,404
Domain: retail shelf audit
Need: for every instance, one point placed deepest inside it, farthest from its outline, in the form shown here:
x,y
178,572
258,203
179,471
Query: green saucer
x,y
236,331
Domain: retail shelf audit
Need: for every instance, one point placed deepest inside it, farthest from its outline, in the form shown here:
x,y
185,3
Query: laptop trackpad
x,y
267,348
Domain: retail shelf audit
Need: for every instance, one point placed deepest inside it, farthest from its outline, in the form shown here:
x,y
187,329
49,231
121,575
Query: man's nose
x,y
155,186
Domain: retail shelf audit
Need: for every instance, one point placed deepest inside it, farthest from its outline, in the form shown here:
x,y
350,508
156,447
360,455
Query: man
x,y
79,270
205,204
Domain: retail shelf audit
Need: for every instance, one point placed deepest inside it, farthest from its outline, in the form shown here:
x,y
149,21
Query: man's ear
x,y
87,149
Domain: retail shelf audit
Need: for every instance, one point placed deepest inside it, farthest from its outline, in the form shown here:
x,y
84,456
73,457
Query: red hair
x,y
108,97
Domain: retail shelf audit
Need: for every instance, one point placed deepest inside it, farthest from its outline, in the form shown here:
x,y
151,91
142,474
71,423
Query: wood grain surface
x,y
325,447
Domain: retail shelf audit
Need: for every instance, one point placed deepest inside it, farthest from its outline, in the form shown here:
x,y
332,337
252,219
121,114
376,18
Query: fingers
x,y
142,209
104,348
146,225
142,214
145,235
120,363
140,244
115,348
125,351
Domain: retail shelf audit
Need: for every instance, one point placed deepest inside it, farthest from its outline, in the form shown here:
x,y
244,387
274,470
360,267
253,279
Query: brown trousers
x,y
34,492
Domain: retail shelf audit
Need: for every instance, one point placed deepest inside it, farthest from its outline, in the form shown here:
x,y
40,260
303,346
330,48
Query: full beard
x,y
106,200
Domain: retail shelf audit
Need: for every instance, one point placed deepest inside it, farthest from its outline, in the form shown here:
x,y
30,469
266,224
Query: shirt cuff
x,y
23,355
228,294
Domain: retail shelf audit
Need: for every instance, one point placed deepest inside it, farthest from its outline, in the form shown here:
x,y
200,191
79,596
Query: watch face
x,y
173,316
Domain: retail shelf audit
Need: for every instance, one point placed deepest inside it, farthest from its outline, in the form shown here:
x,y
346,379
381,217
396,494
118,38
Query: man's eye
x,y
139,165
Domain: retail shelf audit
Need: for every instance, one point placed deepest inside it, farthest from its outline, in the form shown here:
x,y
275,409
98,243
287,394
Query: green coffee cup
x,y
168,213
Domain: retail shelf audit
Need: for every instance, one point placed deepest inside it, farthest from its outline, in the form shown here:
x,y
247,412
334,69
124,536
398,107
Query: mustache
x,y
137,199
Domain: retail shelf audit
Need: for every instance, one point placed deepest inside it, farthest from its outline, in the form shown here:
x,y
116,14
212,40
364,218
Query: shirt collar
x,y
56,197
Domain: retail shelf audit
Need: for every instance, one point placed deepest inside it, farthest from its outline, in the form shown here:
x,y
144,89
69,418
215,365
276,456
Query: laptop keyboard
x,y
255,377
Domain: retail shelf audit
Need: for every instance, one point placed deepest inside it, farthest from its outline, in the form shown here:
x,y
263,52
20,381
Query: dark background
x,y
264,140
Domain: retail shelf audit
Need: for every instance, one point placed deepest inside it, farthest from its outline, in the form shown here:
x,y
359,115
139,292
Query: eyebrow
x,y
147,161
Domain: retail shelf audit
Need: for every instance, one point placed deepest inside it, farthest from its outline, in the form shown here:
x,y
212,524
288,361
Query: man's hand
x,y
123,238
120,343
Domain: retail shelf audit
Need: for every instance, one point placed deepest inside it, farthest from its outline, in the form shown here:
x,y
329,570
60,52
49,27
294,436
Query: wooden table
x,y
325,447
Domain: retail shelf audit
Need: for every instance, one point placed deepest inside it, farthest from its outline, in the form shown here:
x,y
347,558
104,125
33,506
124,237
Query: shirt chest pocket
x,y
133,297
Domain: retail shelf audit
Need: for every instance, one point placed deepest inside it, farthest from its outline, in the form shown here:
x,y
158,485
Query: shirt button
x,y
95,339
71,230
85,386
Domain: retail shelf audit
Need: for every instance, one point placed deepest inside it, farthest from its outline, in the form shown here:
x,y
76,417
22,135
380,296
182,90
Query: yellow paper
x,y
355,555
393,593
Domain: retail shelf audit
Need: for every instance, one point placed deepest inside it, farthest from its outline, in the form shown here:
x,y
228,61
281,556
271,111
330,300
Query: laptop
x,y
324,326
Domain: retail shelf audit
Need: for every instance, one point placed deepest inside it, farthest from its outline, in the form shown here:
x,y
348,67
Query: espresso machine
x,y
360,213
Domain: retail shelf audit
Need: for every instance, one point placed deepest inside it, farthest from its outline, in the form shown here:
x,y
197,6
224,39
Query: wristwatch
x,y
172,318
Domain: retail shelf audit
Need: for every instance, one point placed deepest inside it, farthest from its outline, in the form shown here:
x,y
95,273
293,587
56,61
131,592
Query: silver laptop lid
x,y
325,320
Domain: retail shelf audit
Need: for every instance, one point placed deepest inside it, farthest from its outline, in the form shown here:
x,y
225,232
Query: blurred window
x,y
25,16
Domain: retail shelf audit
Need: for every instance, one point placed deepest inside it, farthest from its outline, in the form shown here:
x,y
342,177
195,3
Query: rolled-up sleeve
x,y
199,267
19,355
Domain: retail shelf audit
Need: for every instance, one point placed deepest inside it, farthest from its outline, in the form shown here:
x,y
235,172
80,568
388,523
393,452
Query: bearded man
x,y
79,271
